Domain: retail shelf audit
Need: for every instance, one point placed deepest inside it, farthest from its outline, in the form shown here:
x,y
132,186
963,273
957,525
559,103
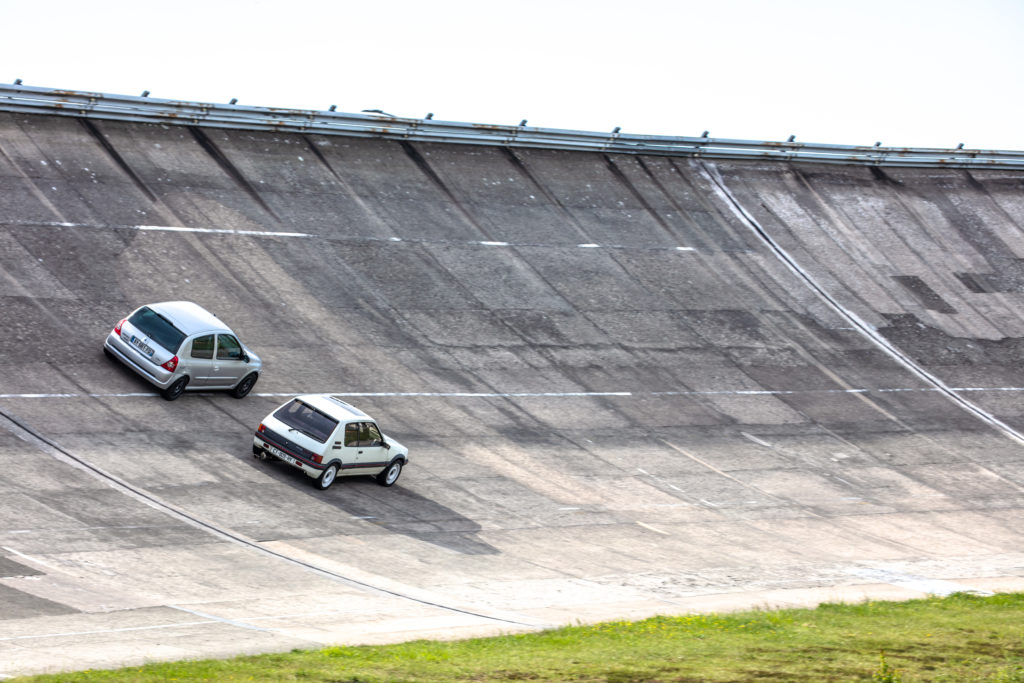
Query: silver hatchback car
x,y
179,345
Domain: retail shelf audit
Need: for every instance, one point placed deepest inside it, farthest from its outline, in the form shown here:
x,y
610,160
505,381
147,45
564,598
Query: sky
x,y
906,73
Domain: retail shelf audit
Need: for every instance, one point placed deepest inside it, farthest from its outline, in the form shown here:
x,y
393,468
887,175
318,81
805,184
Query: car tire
x,y
108,353
175,390
245,386
327,477
390,473
260,454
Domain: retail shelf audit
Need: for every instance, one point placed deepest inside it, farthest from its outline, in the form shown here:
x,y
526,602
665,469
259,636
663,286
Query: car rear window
x,y
157,328
307,419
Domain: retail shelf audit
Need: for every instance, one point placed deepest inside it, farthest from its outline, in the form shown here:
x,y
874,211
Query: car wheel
x,y
390,474
245,386
260,454
108,353
324,481
175,390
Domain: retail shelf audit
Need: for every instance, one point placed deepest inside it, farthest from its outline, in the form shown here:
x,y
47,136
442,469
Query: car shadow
x,y
395,509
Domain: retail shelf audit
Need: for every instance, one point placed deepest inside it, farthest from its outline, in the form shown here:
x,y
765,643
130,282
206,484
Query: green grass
x,y
957,638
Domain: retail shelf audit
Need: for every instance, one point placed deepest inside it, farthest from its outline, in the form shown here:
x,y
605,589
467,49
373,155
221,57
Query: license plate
x,y
142,346
283,456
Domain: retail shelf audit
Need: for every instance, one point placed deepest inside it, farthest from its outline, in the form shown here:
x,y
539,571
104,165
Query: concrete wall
x,y
630,385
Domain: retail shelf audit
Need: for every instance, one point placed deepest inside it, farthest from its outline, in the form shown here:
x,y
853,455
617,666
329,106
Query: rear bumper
x,y
284,454
154,374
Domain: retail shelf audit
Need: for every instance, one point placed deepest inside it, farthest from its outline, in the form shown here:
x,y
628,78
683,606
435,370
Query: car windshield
x,y
307,419
157,328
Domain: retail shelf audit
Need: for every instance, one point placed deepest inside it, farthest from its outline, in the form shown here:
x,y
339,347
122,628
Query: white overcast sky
x,y
921,73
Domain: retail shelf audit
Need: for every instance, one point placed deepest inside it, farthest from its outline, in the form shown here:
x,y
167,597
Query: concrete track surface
x,y
630,385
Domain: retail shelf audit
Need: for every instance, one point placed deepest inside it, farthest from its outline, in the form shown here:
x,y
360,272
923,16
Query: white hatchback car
x,y
325,437
179,345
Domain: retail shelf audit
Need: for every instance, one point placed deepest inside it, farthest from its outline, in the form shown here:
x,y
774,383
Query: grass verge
x,y
959,638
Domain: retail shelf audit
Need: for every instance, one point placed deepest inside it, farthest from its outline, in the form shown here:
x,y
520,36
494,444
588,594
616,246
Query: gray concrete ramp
x,y
631,385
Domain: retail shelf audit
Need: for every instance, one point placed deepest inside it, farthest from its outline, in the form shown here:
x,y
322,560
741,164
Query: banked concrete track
x,y
631,385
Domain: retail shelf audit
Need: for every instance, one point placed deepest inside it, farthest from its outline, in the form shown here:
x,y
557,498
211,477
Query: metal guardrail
x,y
34,100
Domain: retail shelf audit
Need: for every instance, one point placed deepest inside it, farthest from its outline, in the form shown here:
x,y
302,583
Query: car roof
x,y
334,406
189,317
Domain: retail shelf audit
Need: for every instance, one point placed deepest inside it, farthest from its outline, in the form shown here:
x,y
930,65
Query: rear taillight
x,y
318,458
261,428
117,327
171,364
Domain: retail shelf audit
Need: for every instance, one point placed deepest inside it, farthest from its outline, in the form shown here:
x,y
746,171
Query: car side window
x,y
372,435
352,434
202,347
228,347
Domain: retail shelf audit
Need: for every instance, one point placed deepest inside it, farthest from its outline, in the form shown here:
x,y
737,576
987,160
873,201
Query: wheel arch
x,y
251,372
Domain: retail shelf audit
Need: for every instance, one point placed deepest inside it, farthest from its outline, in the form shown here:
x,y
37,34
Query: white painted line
x,y
917,583
746,392
254,233
986,389
363,394
73,634
759,442
365,238
222,620
651,528
29,558
524,394
177,228
127,395
466,394
570,508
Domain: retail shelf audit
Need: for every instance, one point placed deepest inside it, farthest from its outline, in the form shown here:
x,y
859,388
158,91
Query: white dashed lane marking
x,y
520,394
342,238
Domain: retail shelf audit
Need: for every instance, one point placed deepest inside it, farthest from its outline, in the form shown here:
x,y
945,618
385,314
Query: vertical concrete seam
x,y
211,148
345,184
621,176
117,158
424,166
